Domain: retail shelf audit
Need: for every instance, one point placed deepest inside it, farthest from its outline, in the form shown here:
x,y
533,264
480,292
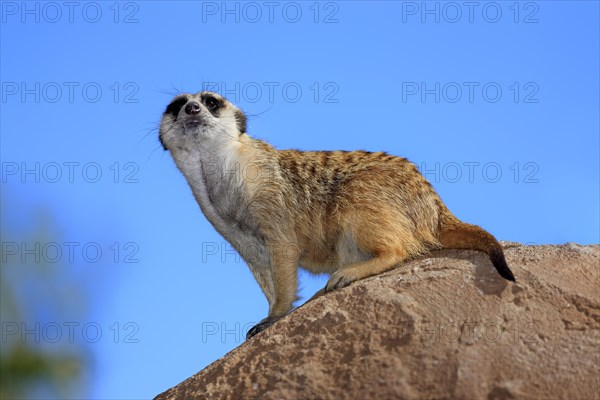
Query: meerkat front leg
x,y
284,271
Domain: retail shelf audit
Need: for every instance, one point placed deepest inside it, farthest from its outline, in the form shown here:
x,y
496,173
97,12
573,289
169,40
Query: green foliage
x,y
27,365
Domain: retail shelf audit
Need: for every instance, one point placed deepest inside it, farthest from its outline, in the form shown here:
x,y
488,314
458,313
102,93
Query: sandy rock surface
x,y
446,326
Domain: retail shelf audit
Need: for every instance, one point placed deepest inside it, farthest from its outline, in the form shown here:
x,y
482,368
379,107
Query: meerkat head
x,y
191,119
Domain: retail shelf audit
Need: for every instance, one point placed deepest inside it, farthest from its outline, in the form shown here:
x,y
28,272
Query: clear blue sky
x,y
498,104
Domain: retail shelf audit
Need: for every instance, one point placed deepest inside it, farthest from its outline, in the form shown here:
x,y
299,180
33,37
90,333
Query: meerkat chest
x,y
220,193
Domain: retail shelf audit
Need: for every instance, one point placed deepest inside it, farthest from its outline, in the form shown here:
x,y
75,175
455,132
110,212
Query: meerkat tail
x,y
455,234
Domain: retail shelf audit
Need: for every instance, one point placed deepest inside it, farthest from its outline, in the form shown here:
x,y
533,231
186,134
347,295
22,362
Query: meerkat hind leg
x,y
379,233
354,272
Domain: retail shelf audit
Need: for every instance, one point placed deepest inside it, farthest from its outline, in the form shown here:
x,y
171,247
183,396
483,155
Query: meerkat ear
x,y
241,121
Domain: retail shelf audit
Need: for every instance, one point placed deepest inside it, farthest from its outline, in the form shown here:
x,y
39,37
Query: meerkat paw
x,y
261,326
340,278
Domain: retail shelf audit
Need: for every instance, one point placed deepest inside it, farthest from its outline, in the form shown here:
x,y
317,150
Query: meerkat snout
x,y
192,107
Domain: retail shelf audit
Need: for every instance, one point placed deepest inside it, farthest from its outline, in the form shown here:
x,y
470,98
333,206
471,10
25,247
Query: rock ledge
x,y
446,326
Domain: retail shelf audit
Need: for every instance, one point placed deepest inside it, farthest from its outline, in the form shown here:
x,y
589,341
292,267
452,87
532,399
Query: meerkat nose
x,y
193,107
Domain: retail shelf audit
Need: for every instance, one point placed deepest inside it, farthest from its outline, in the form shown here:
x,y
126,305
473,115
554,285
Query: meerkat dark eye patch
x,y
175,106
212,103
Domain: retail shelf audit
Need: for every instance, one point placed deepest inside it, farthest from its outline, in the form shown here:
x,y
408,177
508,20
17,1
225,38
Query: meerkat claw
x,y
261,326
337,281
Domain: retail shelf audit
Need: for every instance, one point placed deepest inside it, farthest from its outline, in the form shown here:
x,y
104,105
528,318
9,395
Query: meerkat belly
x,y
329,257
318,263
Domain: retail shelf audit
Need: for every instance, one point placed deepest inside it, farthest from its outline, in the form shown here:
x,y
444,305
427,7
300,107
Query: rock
x,y
446,326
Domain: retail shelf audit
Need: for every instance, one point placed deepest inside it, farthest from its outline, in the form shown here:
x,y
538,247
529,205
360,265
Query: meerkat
x,y
351,214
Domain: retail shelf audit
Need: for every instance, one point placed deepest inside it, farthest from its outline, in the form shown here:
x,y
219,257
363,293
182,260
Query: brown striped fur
x,y
351,214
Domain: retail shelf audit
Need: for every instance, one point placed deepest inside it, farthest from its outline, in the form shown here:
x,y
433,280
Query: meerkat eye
x,y
211,103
